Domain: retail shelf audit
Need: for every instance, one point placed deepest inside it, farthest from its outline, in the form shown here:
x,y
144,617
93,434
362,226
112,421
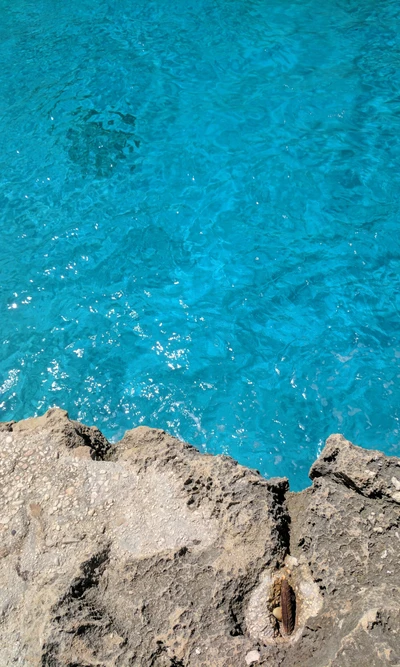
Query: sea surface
x,y
200,221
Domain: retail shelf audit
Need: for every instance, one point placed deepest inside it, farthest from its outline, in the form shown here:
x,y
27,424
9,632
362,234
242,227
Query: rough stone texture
x,y
347,527
149,553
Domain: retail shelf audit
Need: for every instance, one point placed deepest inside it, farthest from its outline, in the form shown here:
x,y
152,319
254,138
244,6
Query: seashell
x,y
288,605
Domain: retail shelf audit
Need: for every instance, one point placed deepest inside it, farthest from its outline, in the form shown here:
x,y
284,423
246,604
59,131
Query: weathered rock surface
x,y
347,526
149,553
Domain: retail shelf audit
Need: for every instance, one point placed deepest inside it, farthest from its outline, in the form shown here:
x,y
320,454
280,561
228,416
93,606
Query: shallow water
x,y
199,215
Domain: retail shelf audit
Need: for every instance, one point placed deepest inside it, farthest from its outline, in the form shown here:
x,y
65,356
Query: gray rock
x,y
347,528
149,553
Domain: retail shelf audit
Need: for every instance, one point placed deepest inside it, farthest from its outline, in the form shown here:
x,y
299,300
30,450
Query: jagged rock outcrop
x,y
149,553
347,526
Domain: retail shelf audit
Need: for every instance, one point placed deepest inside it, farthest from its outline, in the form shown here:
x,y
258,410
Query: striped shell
x,y
288,605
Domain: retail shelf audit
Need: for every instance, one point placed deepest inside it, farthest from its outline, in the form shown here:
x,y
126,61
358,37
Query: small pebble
x,y
277,612
291,562
252,657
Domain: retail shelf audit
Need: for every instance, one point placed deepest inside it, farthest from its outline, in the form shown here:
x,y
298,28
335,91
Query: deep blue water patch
x,y
199,215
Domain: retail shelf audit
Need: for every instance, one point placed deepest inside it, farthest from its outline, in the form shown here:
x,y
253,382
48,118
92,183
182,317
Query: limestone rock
x,y
148,553
347,527
145,554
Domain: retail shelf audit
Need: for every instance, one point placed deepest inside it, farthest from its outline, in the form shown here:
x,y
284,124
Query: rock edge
x,y
147,552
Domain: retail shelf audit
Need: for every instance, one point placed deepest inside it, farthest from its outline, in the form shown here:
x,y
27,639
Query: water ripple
x,y
199,214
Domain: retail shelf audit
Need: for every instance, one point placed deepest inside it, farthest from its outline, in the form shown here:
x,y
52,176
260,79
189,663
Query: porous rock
x,y
150,553
347,528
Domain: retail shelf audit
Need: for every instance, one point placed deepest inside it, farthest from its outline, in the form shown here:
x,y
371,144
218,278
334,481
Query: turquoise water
x,y
199,215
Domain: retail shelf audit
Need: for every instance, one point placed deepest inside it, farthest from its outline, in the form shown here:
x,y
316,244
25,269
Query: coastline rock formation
x,y
147,552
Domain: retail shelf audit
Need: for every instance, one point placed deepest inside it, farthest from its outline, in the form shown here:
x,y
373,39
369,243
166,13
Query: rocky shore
x,y
149,553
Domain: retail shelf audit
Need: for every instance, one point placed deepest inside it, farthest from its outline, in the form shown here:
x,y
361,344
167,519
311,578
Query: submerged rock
x,y
150,553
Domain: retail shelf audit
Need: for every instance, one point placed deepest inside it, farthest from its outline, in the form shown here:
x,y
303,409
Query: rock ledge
x,y
149,553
